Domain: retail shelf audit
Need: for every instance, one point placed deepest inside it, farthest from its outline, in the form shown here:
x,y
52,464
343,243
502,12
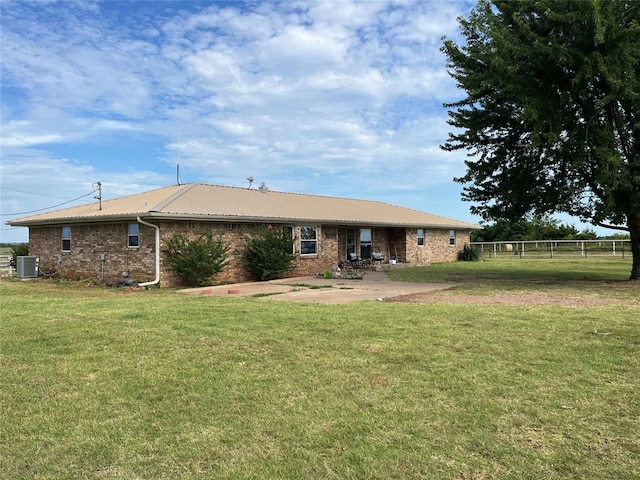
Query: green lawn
x,y
113,384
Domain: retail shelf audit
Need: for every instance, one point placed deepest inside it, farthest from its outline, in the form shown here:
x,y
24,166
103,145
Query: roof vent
x,y
263,188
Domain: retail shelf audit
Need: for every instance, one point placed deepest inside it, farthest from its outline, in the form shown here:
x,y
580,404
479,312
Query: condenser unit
x,y
26,267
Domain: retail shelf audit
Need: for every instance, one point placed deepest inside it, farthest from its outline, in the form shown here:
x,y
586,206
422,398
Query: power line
x,y
29,193
48,208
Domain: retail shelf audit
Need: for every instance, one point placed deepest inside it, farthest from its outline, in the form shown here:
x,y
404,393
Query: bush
x,y
196,261
268,254
469,253
19,250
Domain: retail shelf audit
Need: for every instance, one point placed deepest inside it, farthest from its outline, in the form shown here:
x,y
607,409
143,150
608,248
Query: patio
x,y
374,286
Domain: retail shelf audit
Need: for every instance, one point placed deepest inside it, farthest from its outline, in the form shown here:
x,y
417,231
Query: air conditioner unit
x,y
27,267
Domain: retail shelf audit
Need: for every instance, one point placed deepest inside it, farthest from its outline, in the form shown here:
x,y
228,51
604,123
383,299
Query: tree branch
x,y
612,227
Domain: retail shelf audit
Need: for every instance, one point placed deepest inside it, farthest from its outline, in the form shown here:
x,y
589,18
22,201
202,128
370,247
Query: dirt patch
x,y
511,299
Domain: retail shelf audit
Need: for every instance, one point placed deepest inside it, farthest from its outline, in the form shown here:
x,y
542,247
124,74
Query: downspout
x,y
157,279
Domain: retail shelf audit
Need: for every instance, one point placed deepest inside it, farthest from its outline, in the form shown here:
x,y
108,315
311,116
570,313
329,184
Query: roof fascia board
x,y
230,219
300,221
73,220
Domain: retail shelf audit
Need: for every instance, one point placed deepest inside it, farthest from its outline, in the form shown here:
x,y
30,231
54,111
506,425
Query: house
x,y
104,240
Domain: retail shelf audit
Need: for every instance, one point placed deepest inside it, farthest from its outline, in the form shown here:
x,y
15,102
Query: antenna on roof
x,y
250,182
263,187
178,165
99,196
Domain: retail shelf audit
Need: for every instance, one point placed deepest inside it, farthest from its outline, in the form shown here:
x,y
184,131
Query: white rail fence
x,y
555,248
5,266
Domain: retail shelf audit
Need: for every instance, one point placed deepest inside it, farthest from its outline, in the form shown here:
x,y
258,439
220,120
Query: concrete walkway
x,y
373,286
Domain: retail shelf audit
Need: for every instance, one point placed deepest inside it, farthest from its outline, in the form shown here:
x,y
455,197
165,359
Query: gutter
x,y
241,219
157,228
311,221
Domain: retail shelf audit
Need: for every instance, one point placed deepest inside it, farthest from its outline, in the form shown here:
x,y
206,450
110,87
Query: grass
x,y
104,383
578,276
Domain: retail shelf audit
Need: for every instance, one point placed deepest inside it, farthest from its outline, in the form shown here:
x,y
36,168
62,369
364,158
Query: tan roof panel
x,y
200,201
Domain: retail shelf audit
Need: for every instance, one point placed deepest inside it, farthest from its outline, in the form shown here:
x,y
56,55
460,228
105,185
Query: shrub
x,y
267,255
196,261
18,250
469,253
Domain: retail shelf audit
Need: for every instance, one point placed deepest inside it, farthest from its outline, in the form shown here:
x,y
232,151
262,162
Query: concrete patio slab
x,y
374,286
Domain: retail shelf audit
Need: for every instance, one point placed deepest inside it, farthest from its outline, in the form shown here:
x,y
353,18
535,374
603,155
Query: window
x,y
134,235
365,243
308,240
351,241
452,237
421,237
66,239
288,233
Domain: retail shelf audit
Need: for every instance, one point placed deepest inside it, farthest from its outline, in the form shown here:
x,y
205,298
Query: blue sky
x,y
336,98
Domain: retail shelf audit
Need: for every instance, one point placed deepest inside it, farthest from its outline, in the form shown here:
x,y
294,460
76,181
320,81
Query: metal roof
x,y
196,201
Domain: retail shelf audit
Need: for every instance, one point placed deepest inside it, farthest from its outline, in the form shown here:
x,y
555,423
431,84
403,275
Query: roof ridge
x,y
158,207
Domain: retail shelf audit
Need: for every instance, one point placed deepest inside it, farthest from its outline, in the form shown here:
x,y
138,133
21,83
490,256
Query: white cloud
x,y
304,95
22,134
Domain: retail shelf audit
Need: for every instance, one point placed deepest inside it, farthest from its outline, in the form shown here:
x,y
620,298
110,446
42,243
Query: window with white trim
x,y
133,240
452,237
421,237
66,239
308,240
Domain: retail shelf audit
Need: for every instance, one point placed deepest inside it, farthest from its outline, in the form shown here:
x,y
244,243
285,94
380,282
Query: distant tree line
x,y
535,228
10,245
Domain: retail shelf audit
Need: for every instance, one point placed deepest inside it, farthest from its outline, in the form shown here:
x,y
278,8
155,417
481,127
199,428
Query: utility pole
x,y
99,196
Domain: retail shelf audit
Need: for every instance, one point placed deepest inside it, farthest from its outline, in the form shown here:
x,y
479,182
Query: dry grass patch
x,y
521,282
522,298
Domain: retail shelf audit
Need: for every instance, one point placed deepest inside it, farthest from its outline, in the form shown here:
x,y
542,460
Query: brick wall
x,y
436,248
100,252
441,249
235,234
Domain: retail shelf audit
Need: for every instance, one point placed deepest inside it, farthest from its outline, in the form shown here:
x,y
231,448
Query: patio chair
x,y
354,260
377,257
